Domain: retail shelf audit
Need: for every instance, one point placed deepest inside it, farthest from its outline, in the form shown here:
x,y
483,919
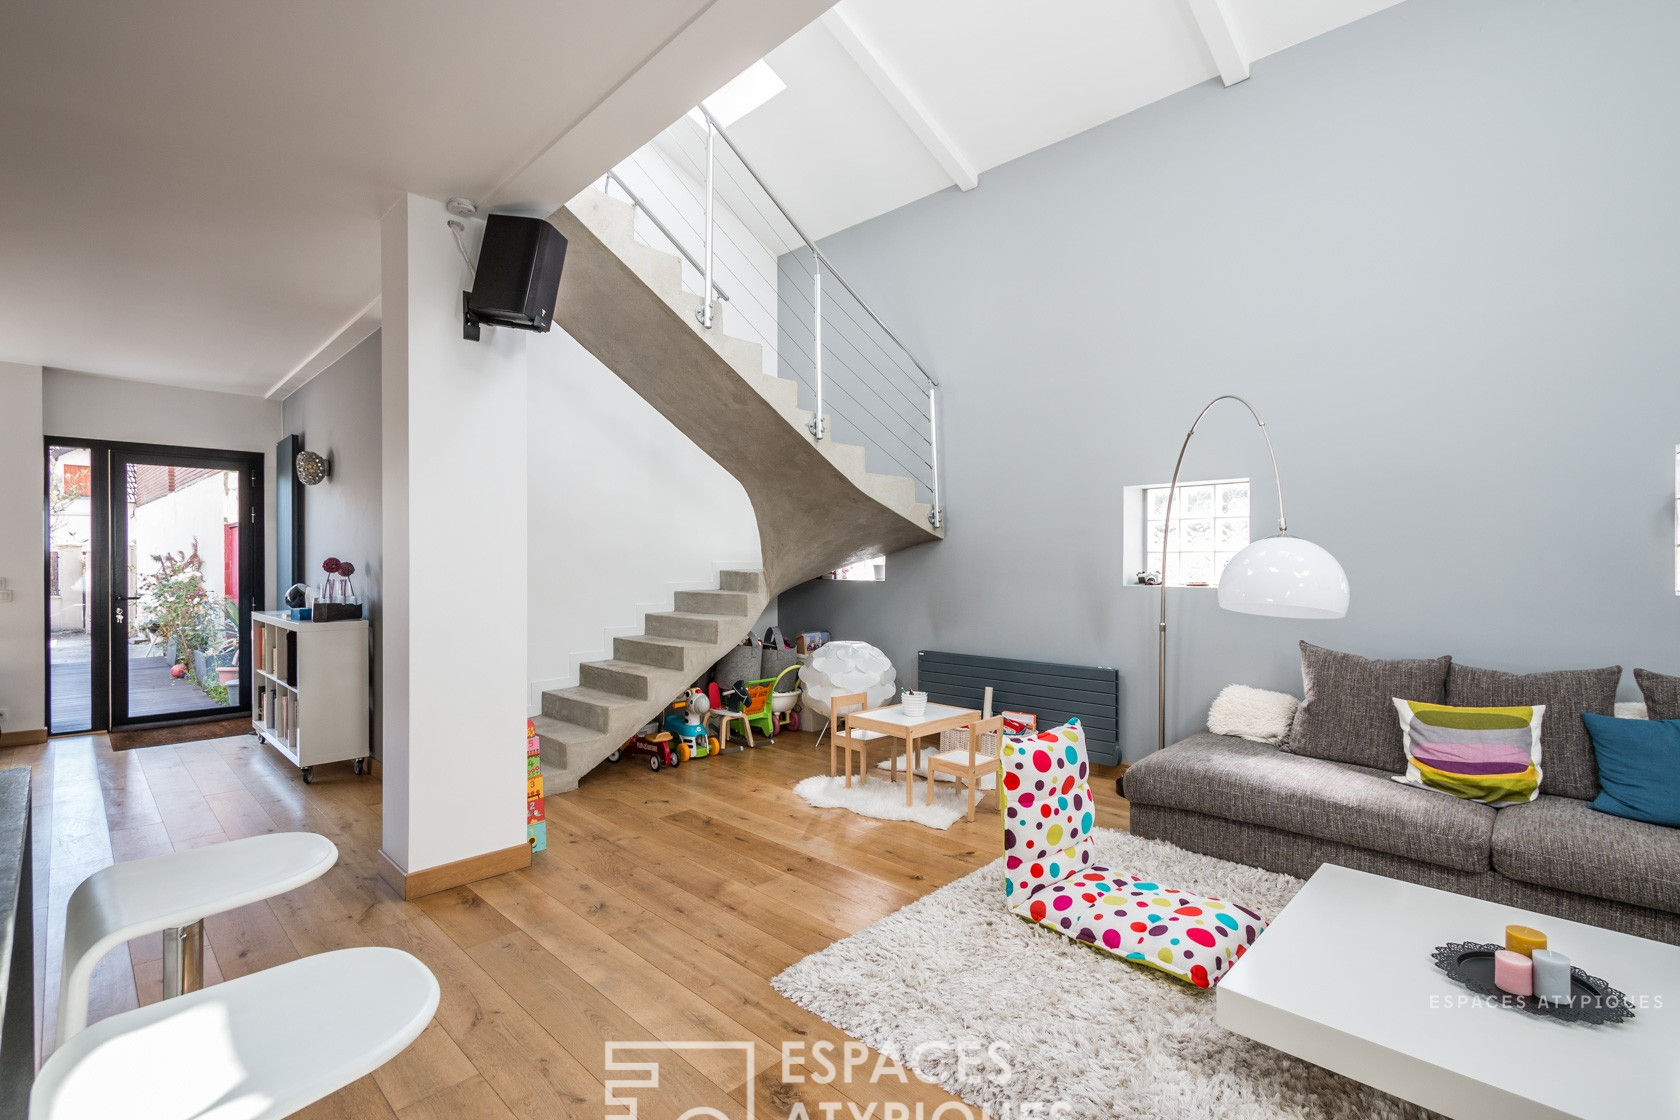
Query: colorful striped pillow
x,y
1480,754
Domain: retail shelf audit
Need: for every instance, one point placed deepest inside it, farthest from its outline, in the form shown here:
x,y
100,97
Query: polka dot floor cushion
x,y
1190,936
1047,813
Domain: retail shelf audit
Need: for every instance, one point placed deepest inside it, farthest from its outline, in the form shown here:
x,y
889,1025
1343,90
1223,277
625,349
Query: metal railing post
x,y
936,515
818,425
705,313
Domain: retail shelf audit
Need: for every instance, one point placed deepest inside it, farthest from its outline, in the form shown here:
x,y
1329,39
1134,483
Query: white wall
x,y
624,510
82,406
745,249
337,413
23,668
453,483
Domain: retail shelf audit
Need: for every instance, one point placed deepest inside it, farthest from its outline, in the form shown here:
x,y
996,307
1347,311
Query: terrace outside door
x,y
184,531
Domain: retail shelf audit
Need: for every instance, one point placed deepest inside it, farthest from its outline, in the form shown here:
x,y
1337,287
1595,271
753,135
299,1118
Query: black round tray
x,y
1591,999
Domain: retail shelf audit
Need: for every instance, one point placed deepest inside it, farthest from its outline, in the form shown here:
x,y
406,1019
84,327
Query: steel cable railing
x,y
692,187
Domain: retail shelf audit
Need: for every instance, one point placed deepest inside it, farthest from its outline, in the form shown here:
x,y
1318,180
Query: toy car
x,y
685,721
658,745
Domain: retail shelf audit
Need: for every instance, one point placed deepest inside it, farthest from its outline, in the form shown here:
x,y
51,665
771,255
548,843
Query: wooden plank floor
x,y
662,908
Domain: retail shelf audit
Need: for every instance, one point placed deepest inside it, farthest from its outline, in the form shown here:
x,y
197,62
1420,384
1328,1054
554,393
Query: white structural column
x,y
909,107
23,668
454,488
1213,19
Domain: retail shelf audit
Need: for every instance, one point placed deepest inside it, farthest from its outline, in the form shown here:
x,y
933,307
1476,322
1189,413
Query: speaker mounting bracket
x,y
469,321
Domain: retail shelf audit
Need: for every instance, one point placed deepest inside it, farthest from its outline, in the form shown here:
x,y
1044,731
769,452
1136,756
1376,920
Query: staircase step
x,y
730,603
560,738
663,652
748,581
590,707
624,678
687,625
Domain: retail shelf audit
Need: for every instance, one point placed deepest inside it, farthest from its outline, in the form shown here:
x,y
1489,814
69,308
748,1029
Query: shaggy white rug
x,y
987,781
1102,1037
884,800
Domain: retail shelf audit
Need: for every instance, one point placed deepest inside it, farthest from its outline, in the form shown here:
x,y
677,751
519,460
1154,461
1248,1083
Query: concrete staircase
x,y
817,505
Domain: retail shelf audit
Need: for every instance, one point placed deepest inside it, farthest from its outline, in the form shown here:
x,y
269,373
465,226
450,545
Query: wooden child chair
x,y
969,766
843,738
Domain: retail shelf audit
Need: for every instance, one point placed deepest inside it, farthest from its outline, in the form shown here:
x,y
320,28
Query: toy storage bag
x,y
743,663
778,655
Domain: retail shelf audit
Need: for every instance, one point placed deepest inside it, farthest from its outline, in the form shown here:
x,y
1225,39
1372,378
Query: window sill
x,y
1179,586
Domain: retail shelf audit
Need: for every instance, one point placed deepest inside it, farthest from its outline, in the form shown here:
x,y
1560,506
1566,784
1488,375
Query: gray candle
x,y
1551,976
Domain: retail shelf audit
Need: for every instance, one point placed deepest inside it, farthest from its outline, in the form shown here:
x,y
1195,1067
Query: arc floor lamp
x,y
1281,576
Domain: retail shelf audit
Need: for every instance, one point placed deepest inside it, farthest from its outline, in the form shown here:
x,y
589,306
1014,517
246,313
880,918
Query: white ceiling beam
x,y
1220,35
910,108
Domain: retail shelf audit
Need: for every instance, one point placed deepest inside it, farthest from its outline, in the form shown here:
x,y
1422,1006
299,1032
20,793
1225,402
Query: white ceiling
x,y
892,100
190,190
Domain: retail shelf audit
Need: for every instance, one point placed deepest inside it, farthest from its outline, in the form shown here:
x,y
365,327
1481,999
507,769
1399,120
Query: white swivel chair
x,y
172,894
257,1048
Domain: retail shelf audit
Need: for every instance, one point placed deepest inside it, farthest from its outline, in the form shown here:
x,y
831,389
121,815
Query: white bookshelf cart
x,y
310,689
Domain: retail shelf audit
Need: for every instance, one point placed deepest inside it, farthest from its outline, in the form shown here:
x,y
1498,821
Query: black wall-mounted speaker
x,y
518,275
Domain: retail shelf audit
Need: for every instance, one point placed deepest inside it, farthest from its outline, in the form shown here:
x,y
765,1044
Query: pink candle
x,y
1513,972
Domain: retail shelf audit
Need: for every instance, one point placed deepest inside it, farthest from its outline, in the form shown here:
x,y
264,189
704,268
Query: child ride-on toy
x,y
658,745
685,720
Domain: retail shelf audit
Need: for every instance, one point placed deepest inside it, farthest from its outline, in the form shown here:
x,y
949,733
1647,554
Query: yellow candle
x,y
1522,939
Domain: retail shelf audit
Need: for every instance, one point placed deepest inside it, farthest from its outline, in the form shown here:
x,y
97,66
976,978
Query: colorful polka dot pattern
x,y
1050,877
1047,816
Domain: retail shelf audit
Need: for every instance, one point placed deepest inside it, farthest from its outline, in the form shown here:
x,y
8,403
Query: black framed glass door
x,y
165,585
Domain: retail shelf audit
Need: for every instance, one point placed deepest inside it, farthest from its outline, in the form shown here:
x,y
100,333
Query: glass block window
x,y
1209,525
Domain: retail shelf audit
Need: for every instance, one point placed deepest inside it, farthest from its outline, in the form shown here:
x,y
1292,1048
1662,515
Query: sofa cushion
x,y
1491,755
1562,843
1662,693
1242,781
1348,713
1566,750
1638,768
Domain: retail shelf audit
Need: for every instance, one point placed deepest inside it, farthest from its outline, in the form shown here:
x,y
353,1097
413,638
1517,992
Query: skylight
x,y
745,92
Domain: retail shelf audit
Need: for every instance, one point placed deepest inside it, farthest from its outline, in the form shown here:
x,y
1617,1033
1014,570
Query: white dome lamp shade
x,y
1281,576
1284,577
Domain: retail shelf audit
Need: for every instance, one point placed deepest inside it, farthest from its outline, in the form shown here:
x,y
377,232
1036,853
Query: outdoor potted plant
x,y
227,649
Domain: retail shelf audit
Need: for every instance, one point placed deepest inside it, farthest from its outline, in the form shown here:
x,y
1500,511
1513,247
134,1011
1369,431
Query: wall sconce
x,y
312,469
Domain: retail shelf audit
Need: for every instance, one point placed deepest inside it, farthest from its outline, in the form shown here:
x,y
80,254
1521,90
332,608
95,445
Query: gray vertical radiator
x,y
1051,692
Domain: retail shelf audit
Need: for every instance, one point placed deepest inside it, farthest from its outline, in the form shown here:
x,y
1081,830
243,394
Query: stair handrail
x,y
711,121
637,203
936,514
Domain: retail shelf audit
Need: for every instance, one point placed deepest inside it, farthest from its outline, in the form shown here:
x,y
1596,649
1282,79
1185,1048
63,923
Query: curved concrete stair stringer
x,y
816,505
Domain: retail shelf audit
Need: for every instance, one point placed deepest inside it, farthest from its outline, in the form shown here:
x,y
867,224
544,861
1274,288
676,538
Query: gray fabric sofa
x,y
1258,805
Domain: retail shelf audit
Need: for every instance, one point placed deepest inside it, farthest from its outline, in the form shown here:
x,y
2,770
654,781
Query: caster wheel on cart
x,y
308,775
615,756
653,762
356,767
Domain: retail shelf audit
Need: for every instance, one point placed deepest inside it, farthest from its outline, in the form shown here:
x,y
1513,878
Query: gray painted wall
x,y
1437,248
338,412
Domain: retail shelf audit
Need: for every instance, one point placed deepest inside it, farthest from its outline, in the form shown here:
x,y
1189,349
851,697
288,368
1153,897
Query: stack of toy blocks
x,y
536,820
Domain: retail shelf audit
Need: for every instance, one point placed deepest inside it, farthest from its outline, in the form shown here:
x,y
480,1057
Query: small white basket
x,y
914,703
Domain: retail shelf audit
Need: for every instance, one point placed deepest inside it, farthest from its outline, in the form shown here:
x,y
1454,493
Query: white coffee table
x,y
1344,978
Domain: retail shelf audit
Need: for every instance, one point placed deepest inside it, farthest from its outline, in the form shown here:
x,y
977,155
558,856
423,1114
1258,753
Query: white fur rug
x,y
987,781
1085,1036
884,800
